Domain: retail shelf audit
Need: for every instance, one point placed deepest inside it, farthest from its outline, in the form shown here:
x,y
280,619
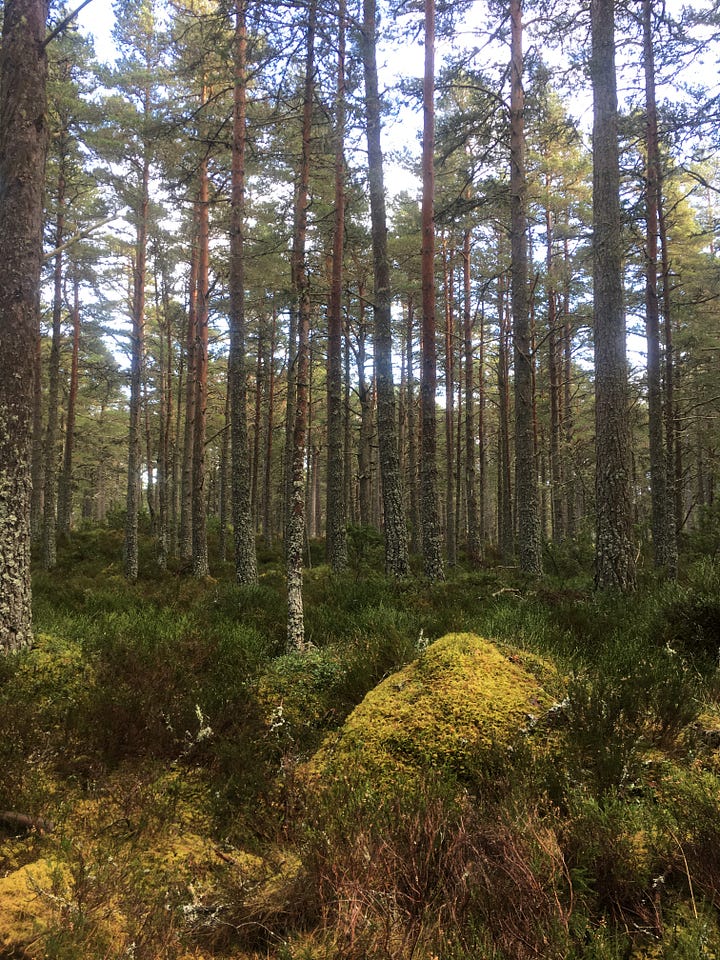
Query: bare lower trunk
x,y
245,558
138,350
474,544
296,508
23,142
526,487
49,530
65,491
200,561
614,555
450,519
396,552
432,546
663,520
336,520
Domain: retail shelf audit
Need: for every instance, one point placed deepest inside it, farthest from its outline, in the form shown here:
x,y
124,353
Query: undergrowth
x,y
603,845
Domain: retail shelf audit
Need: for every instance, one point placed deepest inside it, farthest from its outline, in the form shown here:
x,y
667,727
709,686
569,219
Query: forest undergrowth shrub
x,y
424,867
608,848
687,617
693,801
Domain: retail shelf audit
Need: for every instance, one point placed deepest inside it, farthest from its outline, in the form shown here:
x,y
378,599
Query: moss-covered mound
x,y
462,698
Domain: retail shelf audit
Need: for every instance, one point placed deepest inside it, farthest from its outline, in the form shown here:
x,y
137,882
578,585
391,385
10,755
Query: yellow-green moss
x,y
28,906
462,696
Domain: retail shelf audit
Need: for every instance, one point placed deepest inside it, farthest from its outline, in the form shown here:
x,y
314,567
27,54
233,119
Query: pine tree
x,y
614,558
23,143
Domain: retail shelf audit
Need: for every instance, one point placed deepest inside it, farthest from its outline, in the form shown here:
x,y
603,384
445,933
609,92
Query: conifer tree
x,y
23,143
614,558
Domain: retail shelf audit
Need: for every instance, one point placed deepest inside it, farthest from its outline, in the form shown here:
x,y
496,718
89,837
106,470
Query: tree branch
x,y
64,22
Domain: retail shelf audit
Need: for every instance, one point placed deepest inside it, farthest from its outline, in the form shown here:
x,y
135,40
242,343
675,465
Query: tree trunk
x,y
614,559
245,557
348,486
65,493
396,552
49,530
450,518
432,547
136,364
225,481
663,520
260,365
337,551
505,515
23,143
412,431
474,544
568,422
185,533
200,561
482,443
38,467
301,288
366,426
267,487
526,483
557,511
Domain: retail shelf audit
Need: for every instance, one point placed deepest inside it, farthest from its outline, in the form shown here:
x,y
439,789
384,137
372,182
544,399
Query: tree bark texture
x,y
185,532
49,528
396,550
432,546
200,559
65,489
505,513
337,551
474,543
137,341
23,144
450,499
296,507
526,484
614,559
245,558
663,517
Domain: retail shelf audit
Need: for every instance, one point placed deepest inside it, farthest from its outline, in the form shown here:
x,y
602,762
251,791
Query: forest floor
x,y
489,767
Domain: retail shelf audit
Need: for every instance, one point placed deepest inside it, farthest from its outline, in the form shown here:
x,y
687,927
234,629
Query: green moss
x,y
28,899
462,697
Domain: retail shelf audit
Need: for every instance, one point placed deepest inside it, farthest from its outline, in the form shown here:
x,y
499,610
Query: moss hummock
x,y
462,697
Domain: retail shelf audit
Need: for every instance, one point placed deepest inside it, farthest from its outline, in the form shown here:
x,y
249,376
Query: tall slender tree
x,y
336,520
663,517
614,559
301,287
432,547
396,551
526,484
245,559
23,145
